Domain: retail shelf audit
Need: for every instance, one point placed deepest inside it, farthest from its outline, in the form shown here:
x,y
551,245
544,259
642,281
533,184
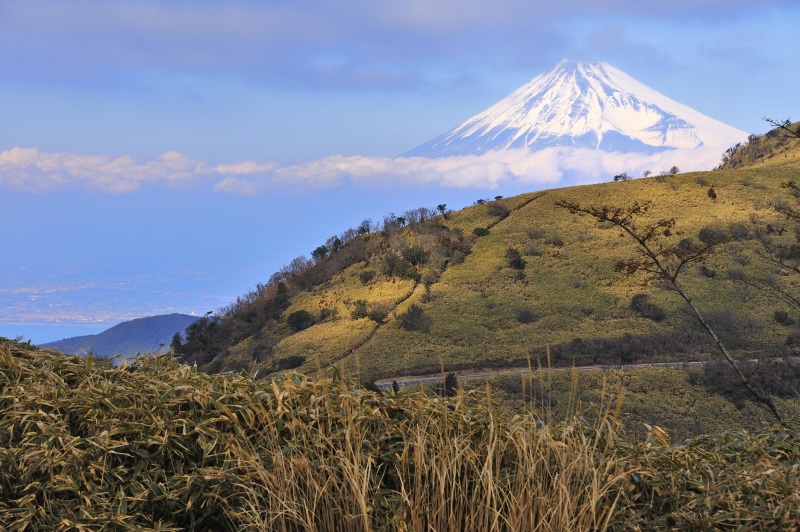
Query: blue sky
x,y
167,156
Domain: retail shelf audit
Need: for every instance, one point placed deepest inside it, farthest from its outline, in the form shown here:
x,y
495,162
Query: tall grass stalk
x,y
159,446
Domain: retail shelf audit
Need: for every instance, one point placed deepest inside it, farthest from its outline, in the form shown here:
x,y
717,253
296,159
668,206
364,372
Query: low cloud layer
x,y
35,171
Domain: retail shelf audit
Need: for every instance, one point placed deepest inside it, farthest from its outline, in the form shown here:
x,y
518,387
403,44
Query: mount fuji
x,y
583,104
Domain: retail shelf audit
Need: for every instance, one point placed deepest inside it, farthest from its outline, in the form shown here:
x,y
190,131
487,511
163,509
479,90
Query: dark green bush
x,y
526,315
359,309
738,231
415,255
300,320
712,235
328,313
705,271
536,233
641,304
290,362
415,319
736,274
688,245
497,209
782,317
398,266
378,312
515,259
366,276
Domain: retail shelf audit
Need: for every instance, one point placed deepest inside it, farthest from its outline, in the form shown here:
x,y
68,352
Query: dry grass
x,y
160,446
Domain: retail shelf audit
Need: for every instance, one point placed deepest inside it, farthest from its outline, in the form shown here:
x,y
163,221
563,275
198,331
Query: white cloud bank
x,y
32,170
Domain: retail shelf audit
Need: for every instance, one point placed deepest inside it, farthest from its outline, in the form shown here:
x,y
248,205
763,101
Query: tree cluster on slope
x,y
414,245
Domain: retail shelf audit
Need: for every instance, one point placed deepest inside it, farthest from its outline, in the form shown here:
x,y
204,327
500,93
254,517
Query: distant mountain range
x,y
583,104
152,334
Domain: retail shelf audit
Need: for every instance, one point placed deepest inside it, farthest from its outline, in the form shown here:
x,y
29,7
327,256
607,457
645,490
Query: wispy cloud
x,y
32,170
345,43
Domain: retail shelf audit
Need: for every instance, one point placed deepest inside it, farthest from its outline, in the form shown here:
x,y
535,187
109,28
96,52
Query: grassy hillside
x,y
781,142
160,446
495,283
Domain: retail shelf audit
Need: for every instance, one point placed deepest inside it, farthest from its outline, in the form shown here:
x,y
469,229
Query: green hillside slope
x,y
497,282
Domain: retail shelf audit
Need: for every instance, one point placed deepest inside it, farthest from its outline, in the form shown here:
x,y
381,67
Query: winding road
x,y
497,372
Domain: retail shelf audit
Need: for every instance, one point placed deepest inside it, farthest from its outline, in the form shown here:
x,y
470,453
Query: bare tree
x,y
785,257
785,125
665,263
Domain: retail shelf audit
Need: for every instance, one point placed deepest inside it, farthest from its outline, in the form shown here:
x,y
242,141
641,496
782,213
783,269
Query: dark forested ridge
x,y
152,334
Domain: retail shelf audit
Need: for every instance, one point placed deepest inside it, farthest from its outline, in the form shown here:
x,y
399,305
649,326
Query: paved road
x,y
483,374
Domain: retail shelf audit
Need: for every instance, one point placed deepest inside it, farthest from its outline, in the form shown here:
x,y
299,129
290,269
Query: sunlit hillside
x,y
497,282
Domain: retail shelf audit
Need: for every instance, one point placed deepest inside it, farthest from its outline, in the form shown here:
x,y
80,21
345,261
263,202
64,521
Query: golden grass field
x,y
160,446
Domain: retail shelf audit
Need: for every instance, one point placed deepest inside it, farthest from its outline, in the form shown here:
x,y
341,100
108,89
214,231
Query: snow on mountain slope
x,y
583,105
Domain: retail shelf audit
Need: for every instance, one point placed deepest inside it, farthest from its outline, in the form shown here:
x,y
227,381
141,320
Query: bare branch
x,y
784,125
667,263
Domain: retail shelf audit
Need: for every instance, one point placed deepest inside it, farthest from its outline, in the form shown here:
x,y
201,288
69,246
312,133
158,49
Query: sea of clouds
x,y
36,171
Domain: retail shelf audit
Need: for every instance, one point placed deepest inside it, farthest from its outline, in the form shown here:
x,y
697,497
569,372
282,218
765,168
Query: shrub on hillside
x,y
705,271
689,246
736,274
290,362
780,377
532,249
415,255
712,235
359,309
302,319
366,276
738,231
737,332
394,265
328,314
526,315
641,304
535,233
782,317
378,312
415,319
515,259
480,231
428,278
497,209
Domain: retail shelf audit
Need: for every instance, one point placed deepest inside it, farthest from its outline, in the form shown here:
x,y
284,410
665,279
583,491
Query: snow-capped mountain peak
x,y
583,104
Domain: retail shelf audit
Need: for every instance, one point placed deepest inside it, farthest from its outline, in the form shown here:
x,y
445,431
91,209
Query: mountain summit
x,y
583,104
